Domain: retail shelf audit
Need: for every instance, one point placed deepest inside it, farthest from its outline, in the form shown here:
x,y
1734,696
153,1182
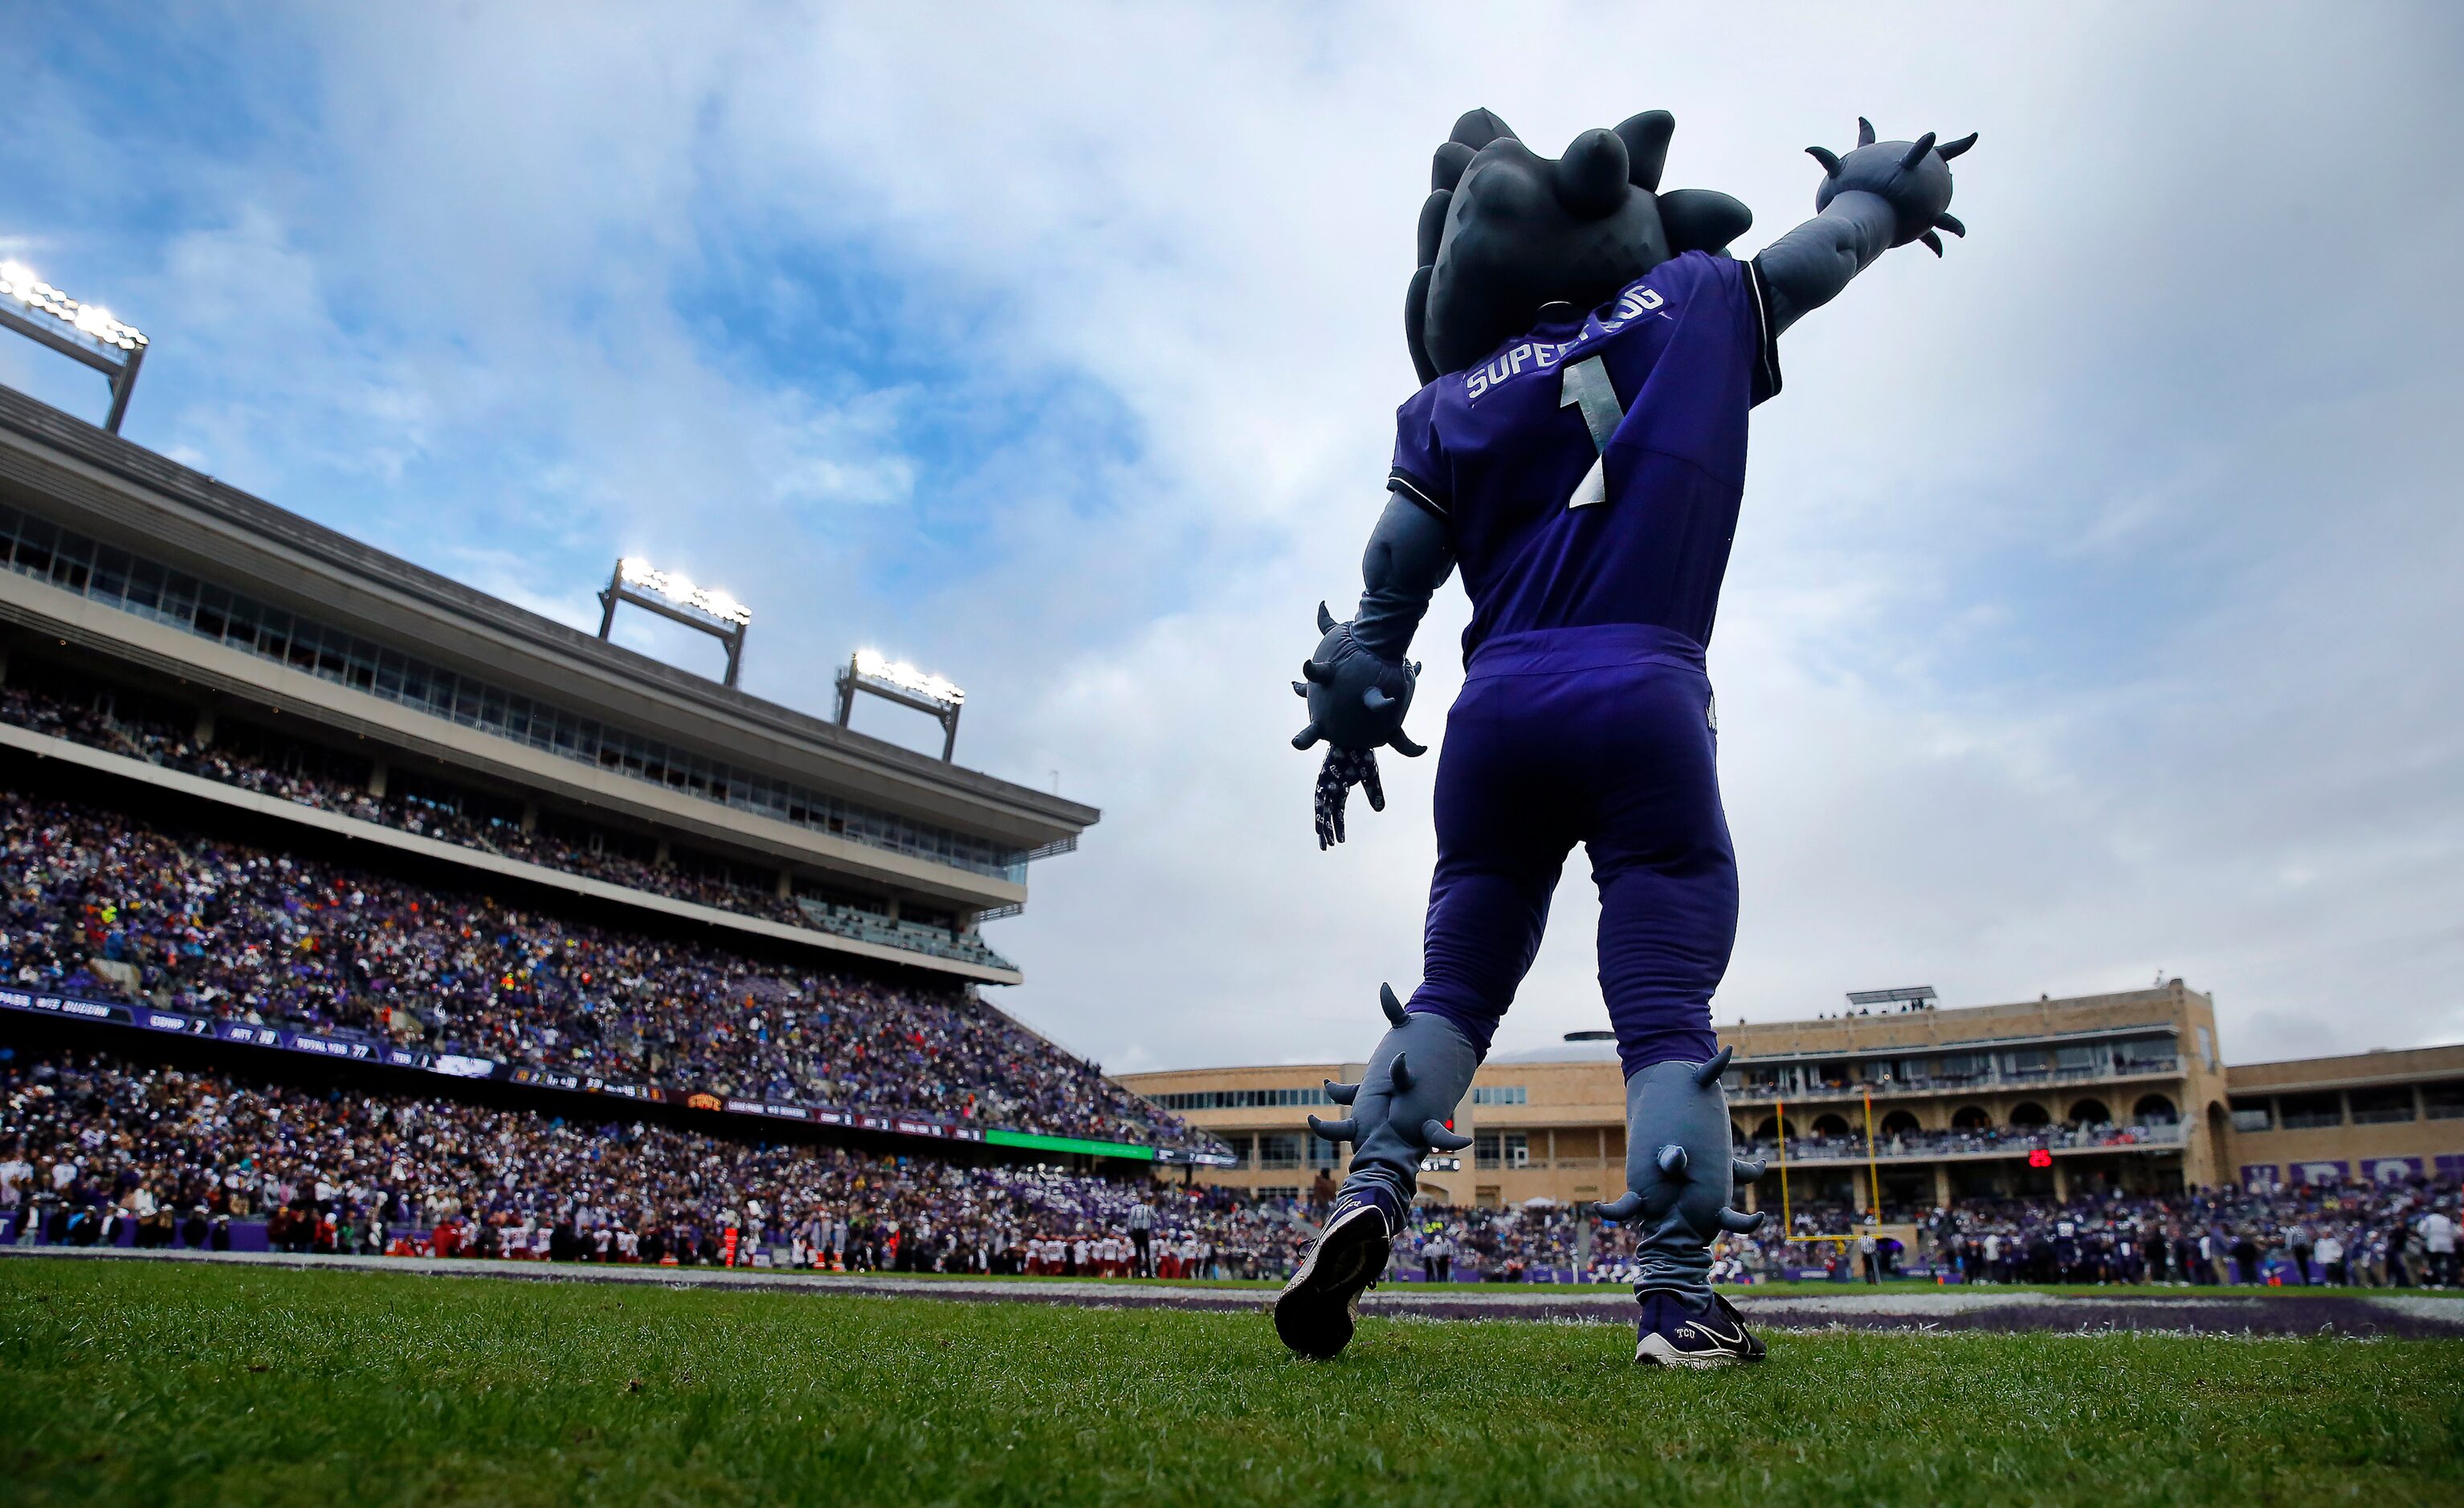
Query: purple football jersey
x,y
1590,470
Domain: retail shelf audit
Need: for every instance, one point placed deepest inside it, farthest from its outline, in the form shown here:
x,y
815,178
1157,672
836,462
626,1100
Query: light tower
x,y
898,681
672,597
84,333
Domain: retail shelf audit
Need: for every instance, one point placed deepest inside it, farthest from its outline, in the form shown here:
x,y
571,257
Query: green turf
x,y
142,1383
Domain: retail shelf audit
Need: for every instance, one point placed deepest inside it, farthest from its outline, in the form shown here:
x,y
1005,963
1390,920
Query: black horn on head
x,y
1589,180
1646,147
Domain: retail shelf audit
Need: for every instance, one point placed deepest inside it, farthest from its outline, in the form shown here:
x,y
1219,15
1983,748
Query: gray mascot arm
x,y
1408,559
1356,682
1879,196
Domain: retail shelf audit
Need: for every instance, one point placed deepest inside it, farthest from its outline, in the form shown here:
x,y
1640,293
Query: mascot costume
x,y
1589,352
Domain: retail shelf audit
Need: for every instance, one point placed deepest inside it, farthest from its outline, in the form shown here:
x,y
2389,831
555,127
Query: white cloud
x,y
2087,615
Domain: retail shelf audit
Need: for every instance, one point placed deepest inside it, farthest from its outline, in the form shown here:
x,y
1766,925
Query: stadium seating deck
x,y
136,736
102,904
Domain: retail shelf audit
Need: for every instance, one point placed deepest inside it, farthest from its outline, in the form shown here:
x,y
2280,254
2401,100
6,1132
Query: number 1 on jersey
x,y
1586,387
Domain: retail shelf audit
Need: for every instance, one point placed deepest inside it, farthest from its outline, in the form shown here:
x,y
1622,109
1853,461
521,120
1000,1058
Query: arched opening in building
x,y
2028,1112
1770,1128
1971,1117
1737,1132
2090,1112
1830,1126
2154,1110
1901,1122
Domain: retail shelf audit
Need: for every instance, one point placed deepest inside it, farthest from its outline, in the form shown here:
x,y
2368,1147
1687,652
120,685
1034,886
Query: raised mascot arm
x,y
1880,195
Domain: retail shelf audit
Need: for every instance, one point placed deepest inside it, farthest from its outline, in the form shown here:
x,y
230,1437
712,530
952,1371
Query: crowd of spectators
x,y
2393,1234
2397,1234
140,737
96,902
90,1145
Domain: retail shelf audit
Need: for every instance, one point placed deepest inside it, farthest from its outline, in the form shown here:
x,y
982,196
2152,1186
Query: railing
x,y
1964,1083
1928,1146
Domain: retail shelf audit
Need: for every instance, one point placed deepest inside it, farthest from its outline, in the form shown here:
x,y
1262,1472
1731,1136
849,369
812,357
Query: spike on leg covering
x,y
1680,1172
1401,1116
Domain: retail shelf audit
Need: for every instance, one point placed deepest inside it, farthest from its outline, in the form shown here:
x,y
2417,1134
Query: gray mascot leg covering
x,y
1680,1174
1417,1075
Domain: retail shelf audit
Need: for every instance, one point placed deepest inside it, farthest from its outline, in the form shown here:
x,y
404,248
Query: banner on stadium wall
x,y
2449,1164
2299,1174
2258,1176
1181,1158
2390,1169
1033,1140
337,1046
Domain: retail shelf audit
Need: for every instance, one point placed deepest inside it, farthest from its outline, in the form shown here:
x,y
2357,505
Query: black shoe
x,y
1671,1335
1318,1309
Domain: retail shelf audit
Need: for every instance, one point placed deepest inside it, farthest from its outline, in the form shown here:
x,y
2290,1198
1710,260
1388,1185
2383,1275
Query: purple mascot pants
x,y
1602,736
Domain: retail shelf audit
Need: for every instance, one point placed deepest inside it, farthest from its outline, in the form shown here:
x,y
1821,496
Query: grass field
x,y
141,1383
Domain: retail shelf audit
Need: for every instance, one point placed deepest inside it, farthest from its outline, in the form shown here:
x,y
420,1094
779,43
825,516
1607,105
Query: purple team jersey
x,y
1590,471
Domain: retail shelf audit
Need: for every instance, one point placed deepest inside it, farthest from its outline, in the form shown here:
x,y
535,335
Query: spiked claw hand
x,y
1356,703
1912,177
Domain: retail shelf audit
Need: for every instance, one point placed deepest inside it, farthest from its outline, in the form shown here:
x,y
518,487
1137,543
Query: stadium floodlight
x,y
672,597
1916,994
896,681
85,333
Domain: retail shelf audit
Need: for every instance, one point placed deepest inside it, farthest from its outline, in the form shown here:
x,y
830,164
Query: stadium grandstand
x,y
346,910
284,802
1897,1103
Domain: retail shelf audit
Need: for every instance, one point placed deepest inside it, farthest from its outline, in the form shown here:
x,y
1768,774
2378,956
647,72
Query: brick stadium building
x,y
2047,1097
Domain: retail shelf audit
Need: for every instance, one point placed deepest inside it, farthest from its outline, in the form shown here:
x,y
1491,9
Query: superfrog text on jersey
x,y
1542,354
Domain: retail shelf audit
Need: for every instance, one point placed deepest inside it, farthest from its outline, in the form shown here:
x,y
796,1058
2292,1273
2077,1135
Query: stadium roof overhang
x,y
62,469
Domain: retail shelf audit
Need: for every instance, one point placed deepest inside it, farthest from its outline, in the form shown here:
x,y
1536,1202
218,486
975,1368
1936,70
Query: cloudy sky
x,y
2095,617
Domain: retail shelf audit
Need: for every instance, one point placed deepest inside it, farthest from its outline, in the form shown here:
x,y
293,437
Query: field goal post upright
x,y
1873,1168
1908,997
1779,1133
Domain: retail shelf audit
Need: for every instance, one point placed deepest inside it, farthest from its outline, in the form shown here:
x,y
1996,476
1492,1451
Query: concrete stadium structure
x,y
2047,1097
131,580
